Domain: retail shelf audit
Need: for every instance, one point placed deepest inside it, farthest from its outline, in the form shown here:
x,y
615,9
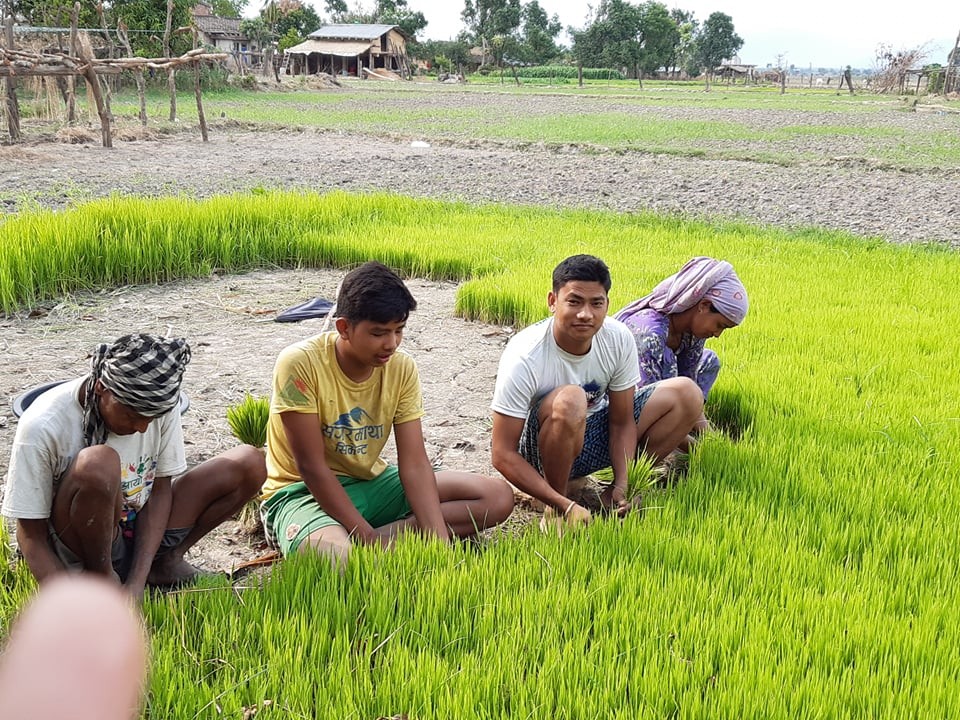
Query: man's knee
x,y
685,394
95,471
566,407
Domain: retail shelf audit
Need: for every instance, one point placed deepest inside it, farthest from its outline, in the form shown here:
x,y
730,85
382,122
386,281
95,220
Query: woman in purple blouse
x,y
672,323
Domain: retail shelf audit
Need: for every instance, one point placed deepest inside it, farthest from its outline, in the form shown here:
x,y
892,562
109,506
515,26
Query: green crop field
x,y
730,122
805,566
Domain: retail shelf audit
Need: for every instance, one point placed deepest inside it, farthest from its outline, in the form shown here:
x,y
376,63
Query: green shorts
x,y
292,513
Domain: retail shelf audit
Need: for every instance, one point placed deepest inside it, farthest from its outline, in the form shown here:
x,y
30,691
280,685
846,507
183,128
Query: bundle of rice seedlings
x,y
248,423
248,420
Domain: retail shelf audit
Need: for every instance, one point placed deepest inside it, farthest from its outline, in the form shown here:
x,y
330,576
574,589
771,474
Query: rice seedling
x,y
248,423
642,473
803,567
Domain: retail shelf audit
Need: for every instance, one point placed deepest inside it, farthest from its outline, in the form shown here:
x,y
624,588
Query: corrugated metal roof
x,y
341,48
350,32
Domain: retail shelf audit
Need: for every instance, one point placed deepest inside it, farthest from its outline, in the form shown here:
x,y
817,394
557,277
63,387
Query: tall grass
x,y
805,567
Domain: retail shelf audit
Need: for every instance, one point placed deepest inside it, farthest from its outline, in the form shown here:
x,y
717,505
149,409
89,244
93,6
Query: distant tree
x,y
890,73
52,13
506,51
412,23
149,19
257,30
935,78
687,27
657,38
489,19
288,40
228,8
399,13
454,52
300,18
336,9
538,41
716,42
388,12
611,40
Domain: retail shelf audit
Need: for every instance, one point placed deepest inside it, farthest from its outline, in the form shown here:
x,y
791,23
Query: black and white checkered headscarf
x,y
143,372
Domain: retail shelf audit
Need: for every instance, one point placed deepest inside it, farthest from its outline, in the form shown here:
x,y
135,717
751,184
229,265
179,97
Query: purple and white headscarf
x,y
702,278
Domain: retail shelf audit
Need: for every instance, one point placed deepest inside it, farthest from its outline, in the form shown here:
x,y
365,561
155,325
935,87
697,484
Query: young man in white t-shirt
x,y
566,401
90,483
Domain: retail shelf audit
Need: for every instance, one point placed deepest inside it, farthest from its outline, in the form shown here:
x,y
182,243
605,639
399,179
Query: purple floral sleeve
x,y
657,361
650,330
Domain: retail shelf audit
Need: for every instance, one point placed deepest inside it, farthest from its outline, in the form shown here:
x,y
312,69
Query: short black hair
x,y
376,293
581,267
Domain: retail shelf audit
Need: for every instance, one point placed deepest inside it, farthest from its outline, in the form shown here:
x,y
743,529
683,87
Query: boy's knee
x,y
337,549
246,466
252,469
500,500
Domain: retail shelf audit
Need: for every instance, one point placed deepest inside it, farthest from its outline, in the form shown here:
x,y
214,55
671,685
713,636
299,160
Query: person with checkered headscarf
x,y
90,482
143,372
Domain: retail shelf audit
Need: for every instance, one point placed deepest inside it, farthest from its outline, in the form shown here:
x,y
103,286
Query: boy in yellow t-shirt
x,y
336,397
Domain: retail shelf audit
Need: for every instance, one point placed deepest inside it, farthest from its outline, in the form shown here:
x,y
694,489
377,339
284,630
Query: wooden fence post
x,y
71,80
196,90
13,107
93,87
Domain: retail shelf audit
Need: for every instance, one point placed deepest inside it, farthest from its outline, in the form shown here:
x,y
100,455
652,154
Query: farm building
x,y
351,50
224,35
732,72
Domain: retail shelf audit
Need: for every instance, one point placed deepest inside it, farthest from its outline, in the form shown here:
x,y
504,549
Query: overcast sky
x,y
822,33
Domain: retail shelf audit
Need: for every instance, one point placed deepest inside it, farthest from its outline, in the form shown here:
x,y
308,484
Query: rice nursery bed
x,y
804,567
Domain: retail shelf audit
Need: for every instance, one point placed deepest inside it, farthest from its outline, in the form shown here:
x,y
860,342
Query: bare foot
x,y
170,572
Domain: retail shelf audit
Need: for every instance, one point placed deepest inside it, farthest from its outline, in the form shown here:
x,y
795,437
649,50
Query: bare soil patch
x,y
229,323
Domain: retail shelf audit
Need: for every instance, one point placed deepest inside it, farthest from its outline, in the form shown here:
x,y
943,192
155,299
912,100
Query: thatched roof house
x,y
351,49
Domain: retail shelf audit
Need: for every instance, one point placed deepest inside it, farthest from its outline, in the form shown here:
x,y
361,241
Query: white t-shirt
x,y
533,365
49,436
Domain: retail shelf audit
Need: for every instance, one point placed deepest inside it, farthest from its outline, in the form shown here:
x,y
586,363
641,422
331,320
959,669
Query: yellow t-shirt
x,y
355,419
